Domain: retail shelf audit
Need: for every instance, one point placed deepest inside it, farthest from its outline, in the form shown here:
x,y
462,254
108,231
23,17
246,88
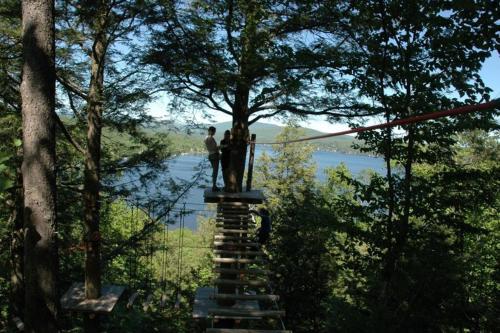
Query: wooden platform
x,y
253,197
74,299
204,301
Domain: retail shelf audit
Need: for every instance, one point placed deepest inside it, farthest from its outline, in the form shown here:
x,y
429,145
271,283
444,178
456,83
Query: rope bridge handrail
x,y
428,116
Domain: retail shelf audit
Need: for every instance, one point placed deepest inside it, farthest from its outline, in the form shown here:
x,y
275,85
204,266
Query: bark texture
x,y
239,138
38,168
92,169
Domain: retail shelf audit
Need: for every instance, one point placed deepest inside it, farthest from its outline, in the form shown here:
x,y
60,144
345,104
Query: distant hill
x,y
265,133
268,132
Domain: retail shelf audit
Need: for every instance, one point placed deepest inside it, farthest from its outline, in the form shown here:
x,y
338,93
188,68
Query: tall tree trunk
x,y
401,233
240,133
92,172
38,168
386,271
239,139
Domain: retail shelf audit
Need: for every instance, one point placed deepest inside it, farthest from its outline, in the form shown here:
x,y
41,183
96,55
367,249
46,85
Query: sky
x,y
490,73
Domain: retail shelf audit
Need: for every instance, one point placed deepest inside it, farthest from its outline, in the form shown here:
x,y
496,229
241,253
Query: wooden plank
x,y
239,253
234,214
238,330
238,220
231,231
233,211
229,282
203,302
229,225
233,238
74,299
234,221
235,226
249,271
232,204
235,261
269,298
223,243
246,313
254,196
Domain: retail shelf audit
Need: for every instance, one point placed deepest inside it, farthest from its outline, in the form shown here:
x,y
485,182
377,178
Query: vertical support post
x,y
250,162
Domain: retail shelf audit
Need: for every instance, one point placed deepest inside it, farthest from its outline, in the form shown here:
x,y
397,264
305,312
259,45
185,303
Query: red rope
x,y
434,115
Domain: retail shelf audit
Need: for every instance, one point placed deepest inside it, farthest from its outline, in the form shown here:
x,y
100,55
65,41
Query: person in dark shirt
x,y
225,158
265,225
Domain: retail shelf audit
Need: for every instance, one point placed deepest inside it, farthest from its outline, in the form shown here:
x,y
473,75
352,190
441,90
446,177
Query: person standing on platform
x,y
213,156
225,157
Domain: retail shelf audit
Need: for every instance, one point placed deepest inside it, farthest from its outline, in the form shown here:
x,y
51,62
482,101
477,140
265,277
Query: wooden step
x,y
239,330
234,217
236,226
230,282
245,244
233,211
234,208
242,219
246,312
235,223
239,252
231,231
230,225
223,219
235,318
236,238
243,271
235,261
232,204
241,211
244,297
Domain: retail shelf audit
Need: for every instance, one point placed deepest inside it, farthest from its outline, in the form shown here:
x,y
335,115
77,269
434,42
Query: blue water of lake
x,y
183,167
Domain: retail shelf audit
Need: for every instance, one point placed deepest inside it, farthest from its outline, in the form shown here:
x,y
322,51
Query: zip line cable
x,y
410,120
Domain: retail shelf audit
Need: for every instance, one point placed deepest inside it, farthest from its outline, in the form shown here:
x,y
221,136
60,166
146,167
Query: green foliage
x,y
247,59
288,172
329,245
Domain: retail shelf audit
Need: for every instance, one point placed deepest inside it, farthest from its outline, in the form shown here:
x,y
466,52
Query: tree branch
x,y
71,87
67,134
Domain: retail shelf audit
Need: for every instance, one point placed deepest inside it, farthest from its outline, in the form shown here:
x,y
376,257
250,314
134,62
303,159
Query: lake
x,y
183,167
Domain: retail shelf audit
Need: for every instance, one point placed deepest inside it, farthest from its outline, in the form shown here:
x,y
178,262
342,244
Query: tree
x,y
250,60
302,264
98,32
406,58
39,181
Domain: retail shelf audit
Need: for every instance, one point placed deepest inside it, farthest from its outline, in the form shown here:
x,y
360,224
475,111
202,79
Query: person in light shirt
x,y
213,156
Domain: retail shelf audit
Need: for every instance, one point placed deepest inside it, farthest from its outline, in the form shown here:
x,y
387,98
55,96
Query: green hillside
x,y
265,133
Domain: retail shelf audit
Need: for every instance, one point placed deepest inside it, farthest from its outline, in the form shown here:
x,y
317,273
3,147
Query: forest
x,y
87,197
